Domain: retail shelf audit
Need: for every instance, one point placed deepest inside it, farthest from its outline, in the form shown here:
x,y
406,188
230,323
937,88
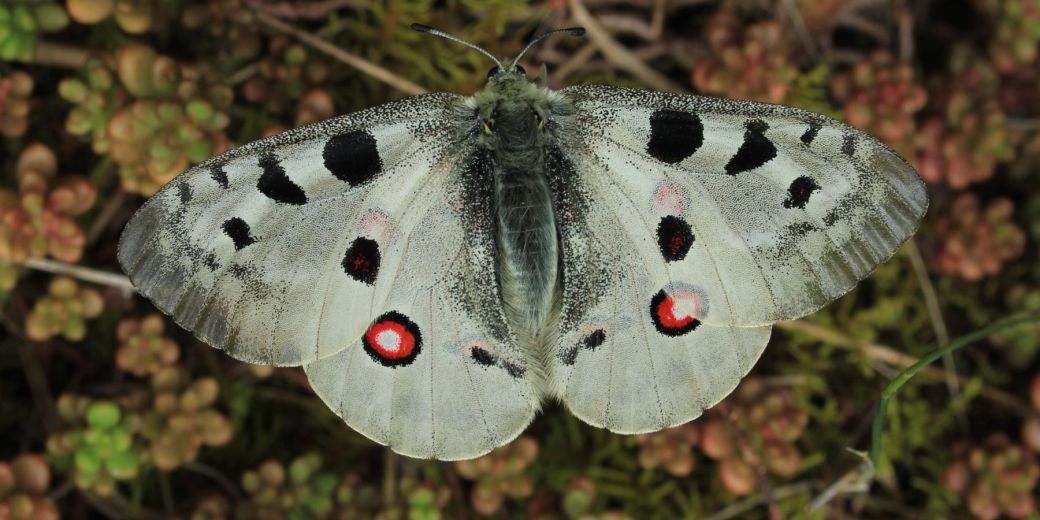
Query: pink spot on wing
x,y
376,225
670,199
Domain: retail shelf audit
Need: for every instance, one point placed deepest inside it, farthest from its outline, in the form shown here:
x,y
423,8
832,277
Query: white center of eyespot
x,y
684,306
389,340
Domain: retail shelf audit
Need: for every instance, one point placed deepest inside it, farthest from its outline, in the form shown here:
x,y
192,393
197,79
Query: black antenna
x,y
571,31
430,30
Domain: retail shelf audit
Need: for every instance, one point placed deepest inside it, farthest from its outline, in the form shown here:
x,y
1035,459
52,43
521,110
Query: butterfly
x,y
442,265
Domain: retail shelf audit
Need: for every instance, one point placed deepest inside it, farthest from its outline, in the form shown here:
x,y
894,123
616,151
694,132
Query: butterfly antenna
x,y
572,31
418,27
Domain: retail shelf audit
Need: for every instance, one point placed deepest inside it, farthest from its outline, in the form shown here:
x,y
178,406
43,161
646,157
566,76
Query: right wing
x,y
469,390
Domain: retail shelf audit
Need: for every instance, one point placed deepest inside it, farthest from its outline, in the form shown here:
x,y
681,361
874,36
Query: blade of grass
x,y
909,373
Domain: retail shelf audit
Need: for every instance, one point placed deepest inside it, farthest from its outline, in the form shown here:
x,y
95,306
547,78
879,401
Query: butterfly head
x,y
510,110
498,71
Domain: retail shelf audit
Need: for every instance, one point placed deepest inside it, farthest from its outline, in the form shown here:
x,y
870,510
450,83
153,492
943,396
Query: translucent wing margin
x,y
772,210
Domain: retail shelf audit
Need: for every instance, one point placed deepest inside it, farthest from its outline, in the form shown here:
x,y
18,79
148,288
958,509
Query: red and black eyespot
x,y
673,312
392,340
674,238
361,261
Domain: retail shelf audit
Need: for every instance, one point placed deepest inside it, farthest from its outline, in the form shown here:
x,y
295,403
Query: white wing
x,y
360,246
632,357
772,211
470,392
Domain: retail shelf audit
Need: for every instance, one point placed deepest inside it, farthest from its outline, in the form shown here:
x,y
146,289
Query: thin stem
x,y
338,53
167,493
750,503
79,272
906,375
55,54
942,334
890,356
795,17
215,475
617,54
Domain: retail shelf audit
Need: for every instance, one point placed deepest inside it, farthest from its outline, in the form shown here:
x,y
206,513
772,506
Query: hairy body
x,y
510,116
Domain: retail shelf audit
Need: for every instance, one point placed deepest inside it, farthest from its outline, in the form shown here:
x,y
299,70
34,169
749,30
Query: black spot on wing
x,y
482,356
674,238
591,341
674,135
595,339
361,261
251,277
276,185
184,192
513,369
488,359
352,157
848,144
755,151
799,191
218,174
238,230
569,355
810,133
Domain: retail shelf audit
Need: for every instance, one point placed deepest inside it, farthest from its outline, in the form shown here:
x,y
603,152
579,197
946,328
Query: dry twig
x,y
617,54
340,54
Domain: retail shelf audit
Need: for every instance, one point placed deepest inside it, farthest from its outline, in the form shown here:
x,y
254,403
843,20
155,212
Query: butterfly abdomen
x,y
526,241
514,121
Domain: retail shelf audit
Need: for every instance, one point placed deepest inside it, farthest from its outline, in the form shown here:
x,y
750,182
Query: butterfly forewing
x,y
271,250
774,211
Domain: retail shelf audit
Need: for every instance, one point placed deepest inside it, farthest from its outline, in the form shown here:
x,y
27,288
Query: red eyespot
x,y
393,340
675,313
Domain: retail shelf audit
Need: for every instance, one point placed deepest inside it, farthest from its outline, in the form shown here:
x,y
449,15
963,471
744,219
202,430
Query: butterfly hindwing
x,y
468,390
772,210
631,356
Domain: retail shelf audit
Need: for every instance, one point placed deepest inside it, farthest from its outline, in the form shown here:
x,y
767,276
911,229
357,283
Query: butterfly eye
x,y
520,69
492,72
